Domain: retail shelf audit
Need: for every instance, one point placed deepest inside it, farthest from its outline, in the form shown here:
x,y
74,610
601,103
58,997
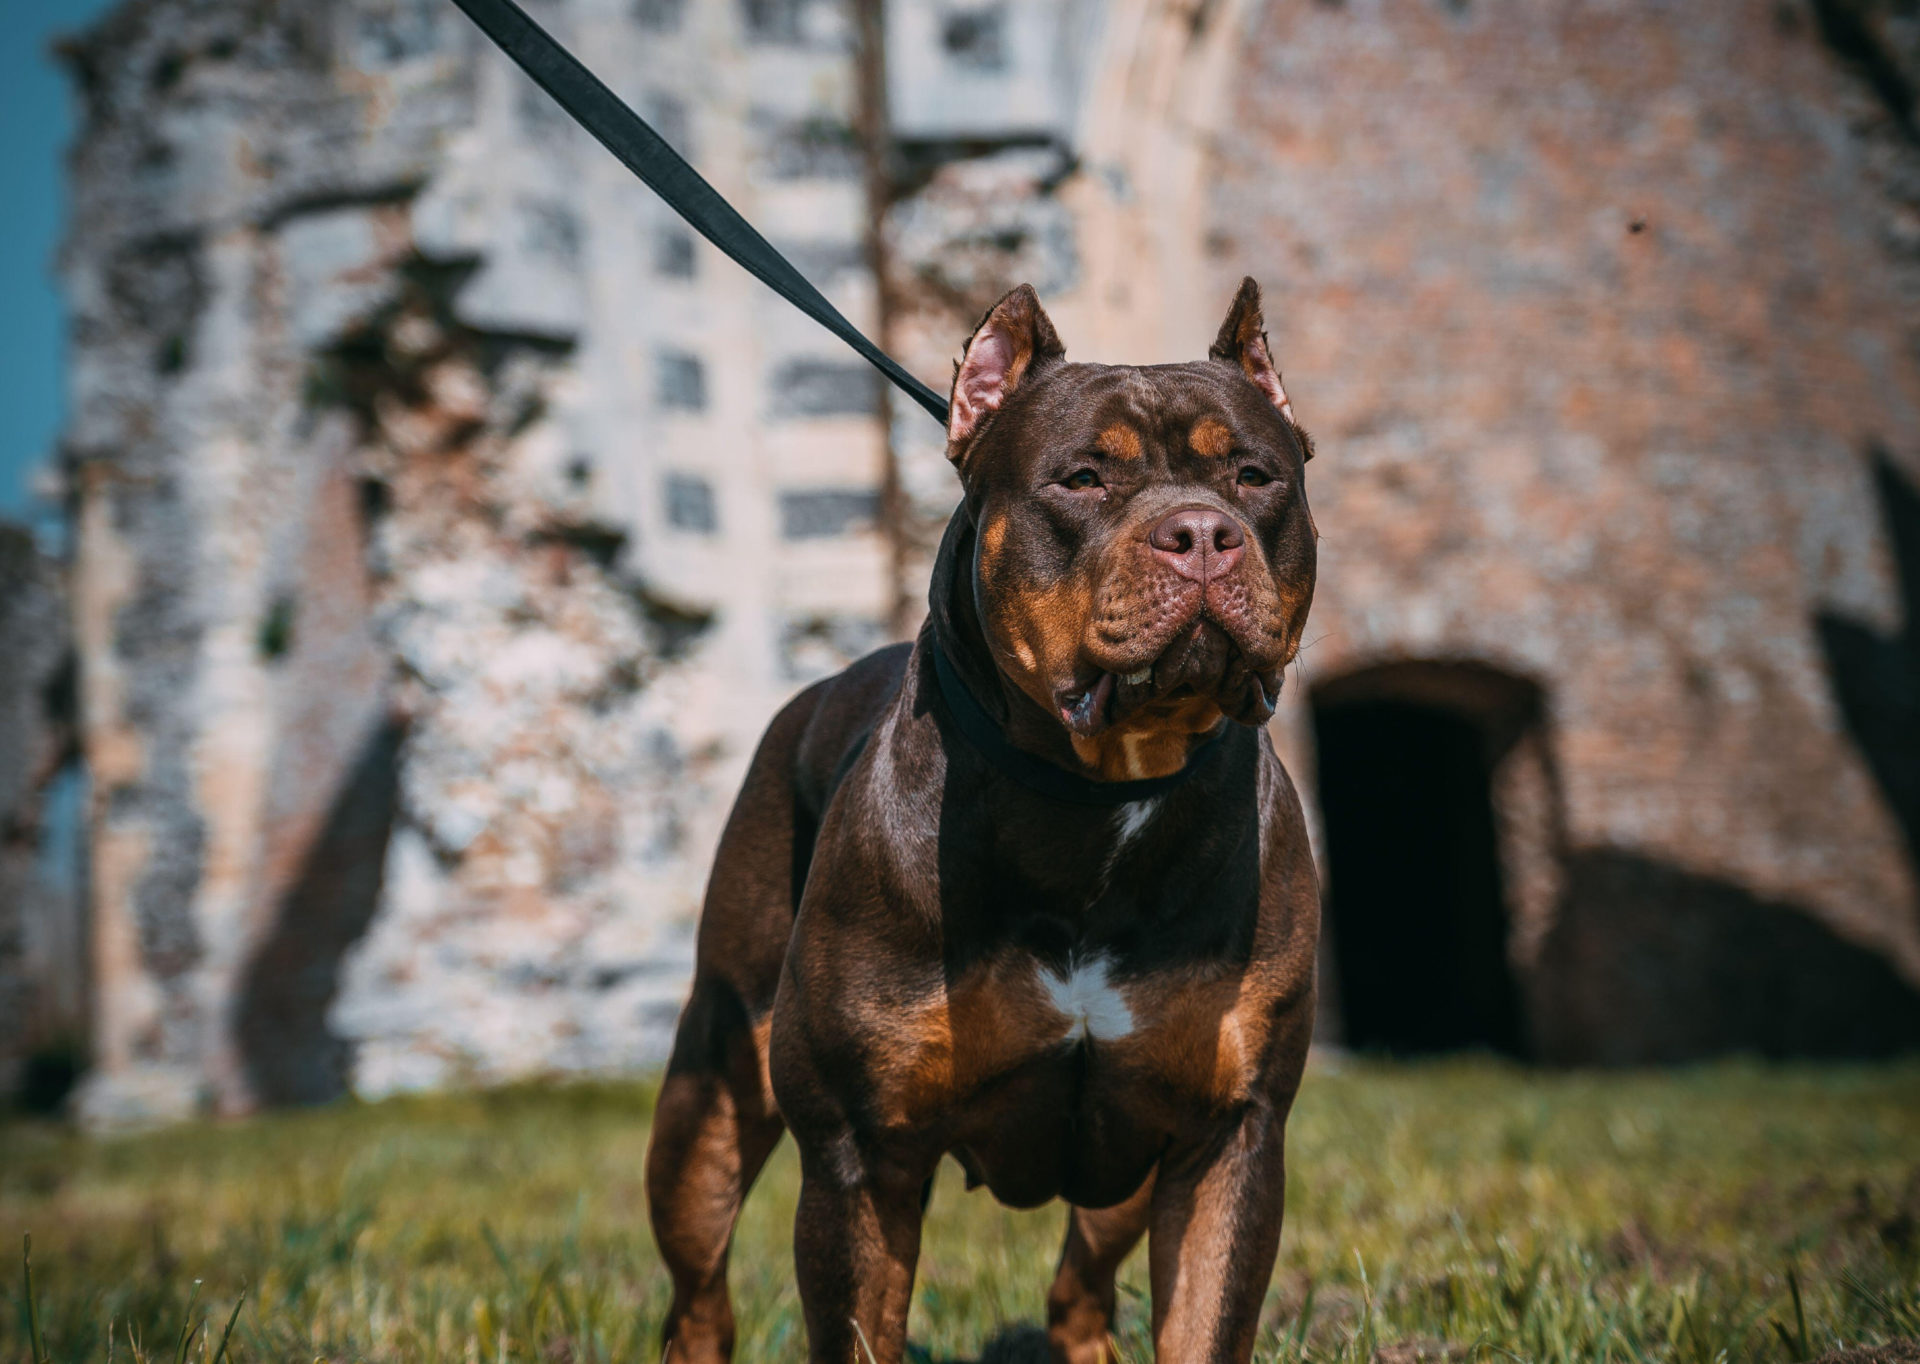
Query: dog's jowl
x,y
1034,891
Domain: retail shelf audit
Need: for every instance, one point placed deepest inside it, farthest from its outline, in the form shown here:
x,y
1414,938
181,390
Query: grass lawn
x,y
1508,1213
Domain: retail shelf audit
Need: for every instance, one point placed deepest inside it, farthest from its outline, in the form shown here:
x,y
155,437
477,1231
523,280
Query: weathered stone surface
x,y
1596,317
421,583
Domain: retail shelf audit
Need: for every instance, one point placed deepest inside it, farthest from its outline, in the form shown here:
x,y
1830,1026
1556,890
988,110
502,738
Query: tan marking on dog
x,y
993,538
1041,631
995,1018
1152,742
1017,370
763,1053
1210,438
1120,440
1204,1034
1080,1302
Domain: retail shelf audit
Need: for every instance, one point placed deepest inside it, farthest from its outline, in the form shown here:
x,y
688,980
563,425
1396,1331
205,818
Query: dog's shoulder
x,y
842,712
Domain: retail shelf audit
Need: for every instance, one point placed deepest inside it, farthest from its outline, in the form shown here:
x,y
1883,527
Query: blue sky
x,y
35,123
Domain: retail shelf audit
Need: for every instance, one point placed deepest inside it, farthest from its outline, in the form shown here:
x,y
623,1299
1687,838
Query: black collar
x,y
1039,775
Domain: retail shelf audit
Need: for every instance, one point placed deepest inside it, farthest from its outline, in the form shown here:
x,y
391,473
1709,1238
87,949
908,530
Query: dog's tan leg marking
x,y
713,1129
1215,1232
1080,1305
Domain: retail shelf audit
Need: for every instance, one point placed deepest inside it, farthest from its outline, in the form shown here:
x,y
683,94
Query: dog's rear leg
x,y
1080,1305
713,1129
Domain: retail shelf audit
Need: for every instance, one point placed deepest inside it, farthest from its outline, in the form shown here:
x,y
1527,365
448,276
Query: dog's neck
x,y
956,631
955,616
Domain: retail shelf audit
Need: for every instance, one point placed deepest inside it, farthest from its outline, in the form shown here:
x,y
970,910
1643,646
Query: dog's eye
x,y
1081,478
1252,477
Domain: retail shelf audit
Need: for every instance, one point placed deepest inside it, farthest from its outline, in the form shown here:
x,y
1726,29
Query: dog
x,y
1033,891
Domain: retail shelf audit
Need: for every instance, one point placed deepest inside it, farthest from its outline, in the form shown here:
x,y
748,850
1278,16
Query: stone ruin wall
x,y
448,521
1606,317
424,475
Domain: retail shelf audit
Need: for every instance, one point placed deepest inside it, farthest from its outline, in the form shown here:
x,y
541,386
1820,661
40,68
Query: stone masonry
x,y
448,520
448,523
1604,316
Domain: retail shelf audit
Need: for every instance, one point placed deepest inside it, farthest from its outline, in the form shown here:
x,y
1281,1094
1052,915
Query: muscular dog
x,y
1033,891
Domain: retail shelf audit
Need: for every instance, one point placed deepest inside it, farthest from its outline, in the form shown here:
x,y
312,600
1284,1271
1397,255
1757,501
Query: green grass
x,y
1507,1213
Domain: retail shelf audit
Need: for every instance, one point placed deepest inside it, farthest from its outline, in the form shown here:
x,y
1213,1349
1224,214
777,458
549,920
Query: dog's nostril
x,y
1192,528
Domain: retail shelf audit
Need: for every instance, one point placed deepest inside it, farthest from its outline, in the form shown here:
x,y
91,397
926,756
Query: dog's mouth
x,y
1200,662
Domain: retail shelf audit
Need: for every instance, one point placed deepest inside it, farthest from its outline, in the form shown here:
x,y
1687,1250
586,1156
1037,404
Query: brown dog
x,y
1019,892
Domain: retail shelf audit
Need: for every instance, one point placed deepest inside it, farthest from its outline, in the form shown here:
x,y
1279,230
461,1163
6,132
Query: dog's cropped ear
x,y
1012,341
1243,341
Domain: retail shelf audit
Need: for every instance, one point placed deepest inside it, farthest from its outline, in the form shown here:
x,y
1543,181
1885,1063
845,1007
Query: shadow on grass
x,y
1011,1345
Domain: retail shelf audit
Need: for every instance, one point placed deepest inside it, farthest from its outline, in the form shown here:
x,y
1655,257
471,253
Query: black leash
x,y
1039,775
645,153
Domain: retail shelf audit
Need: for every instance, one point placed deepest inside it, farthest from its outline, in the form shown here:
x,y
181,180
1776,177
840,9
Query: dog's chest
x,y
1086,1001
1086,1030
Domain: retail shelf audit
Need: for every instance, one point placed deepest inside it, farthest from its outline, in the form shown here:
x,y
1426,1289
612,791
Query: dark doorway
x,y
1414,899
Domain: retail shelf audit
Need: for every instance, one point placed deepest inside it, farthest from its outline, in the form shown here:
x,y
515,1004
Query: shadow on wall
x,y
1876,677
289,1055
1649,964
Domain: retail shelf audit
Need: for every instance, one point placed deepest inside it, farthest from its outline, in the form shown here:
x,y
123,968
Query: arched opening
x,y
1417,900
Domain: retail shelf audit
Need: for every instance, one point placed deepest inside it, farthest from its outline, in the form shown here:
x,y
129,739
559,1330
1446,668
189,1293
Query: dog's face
x,y
1145,556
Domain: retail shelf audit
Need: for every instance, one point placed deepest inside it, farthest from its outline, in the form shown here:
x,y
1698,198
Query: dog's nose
x,y
1198,542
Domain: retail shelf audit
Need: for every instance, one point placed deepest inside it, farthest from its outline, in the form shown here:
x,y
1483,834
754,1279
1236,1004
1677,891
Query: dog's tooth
x,y
1135,679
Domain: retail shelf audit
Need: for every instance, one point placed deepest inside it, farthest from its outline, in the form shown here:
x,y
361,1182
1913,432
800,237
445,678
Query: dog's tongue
x,y
1088,715
1202,662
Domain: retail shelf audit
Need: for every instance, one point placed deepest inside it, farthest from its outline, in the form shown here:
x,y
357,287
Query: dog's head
x,y
1145,556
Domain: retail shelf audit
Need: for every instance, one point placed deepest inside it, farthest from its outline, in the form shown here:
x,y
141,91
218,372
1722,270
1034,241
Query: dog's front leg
x,y
1214,1233
856,1241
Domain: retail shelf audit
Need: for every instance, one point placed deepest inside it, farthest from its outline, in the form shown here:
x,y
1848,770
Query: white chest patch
x,y
1090,1003
1133,817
